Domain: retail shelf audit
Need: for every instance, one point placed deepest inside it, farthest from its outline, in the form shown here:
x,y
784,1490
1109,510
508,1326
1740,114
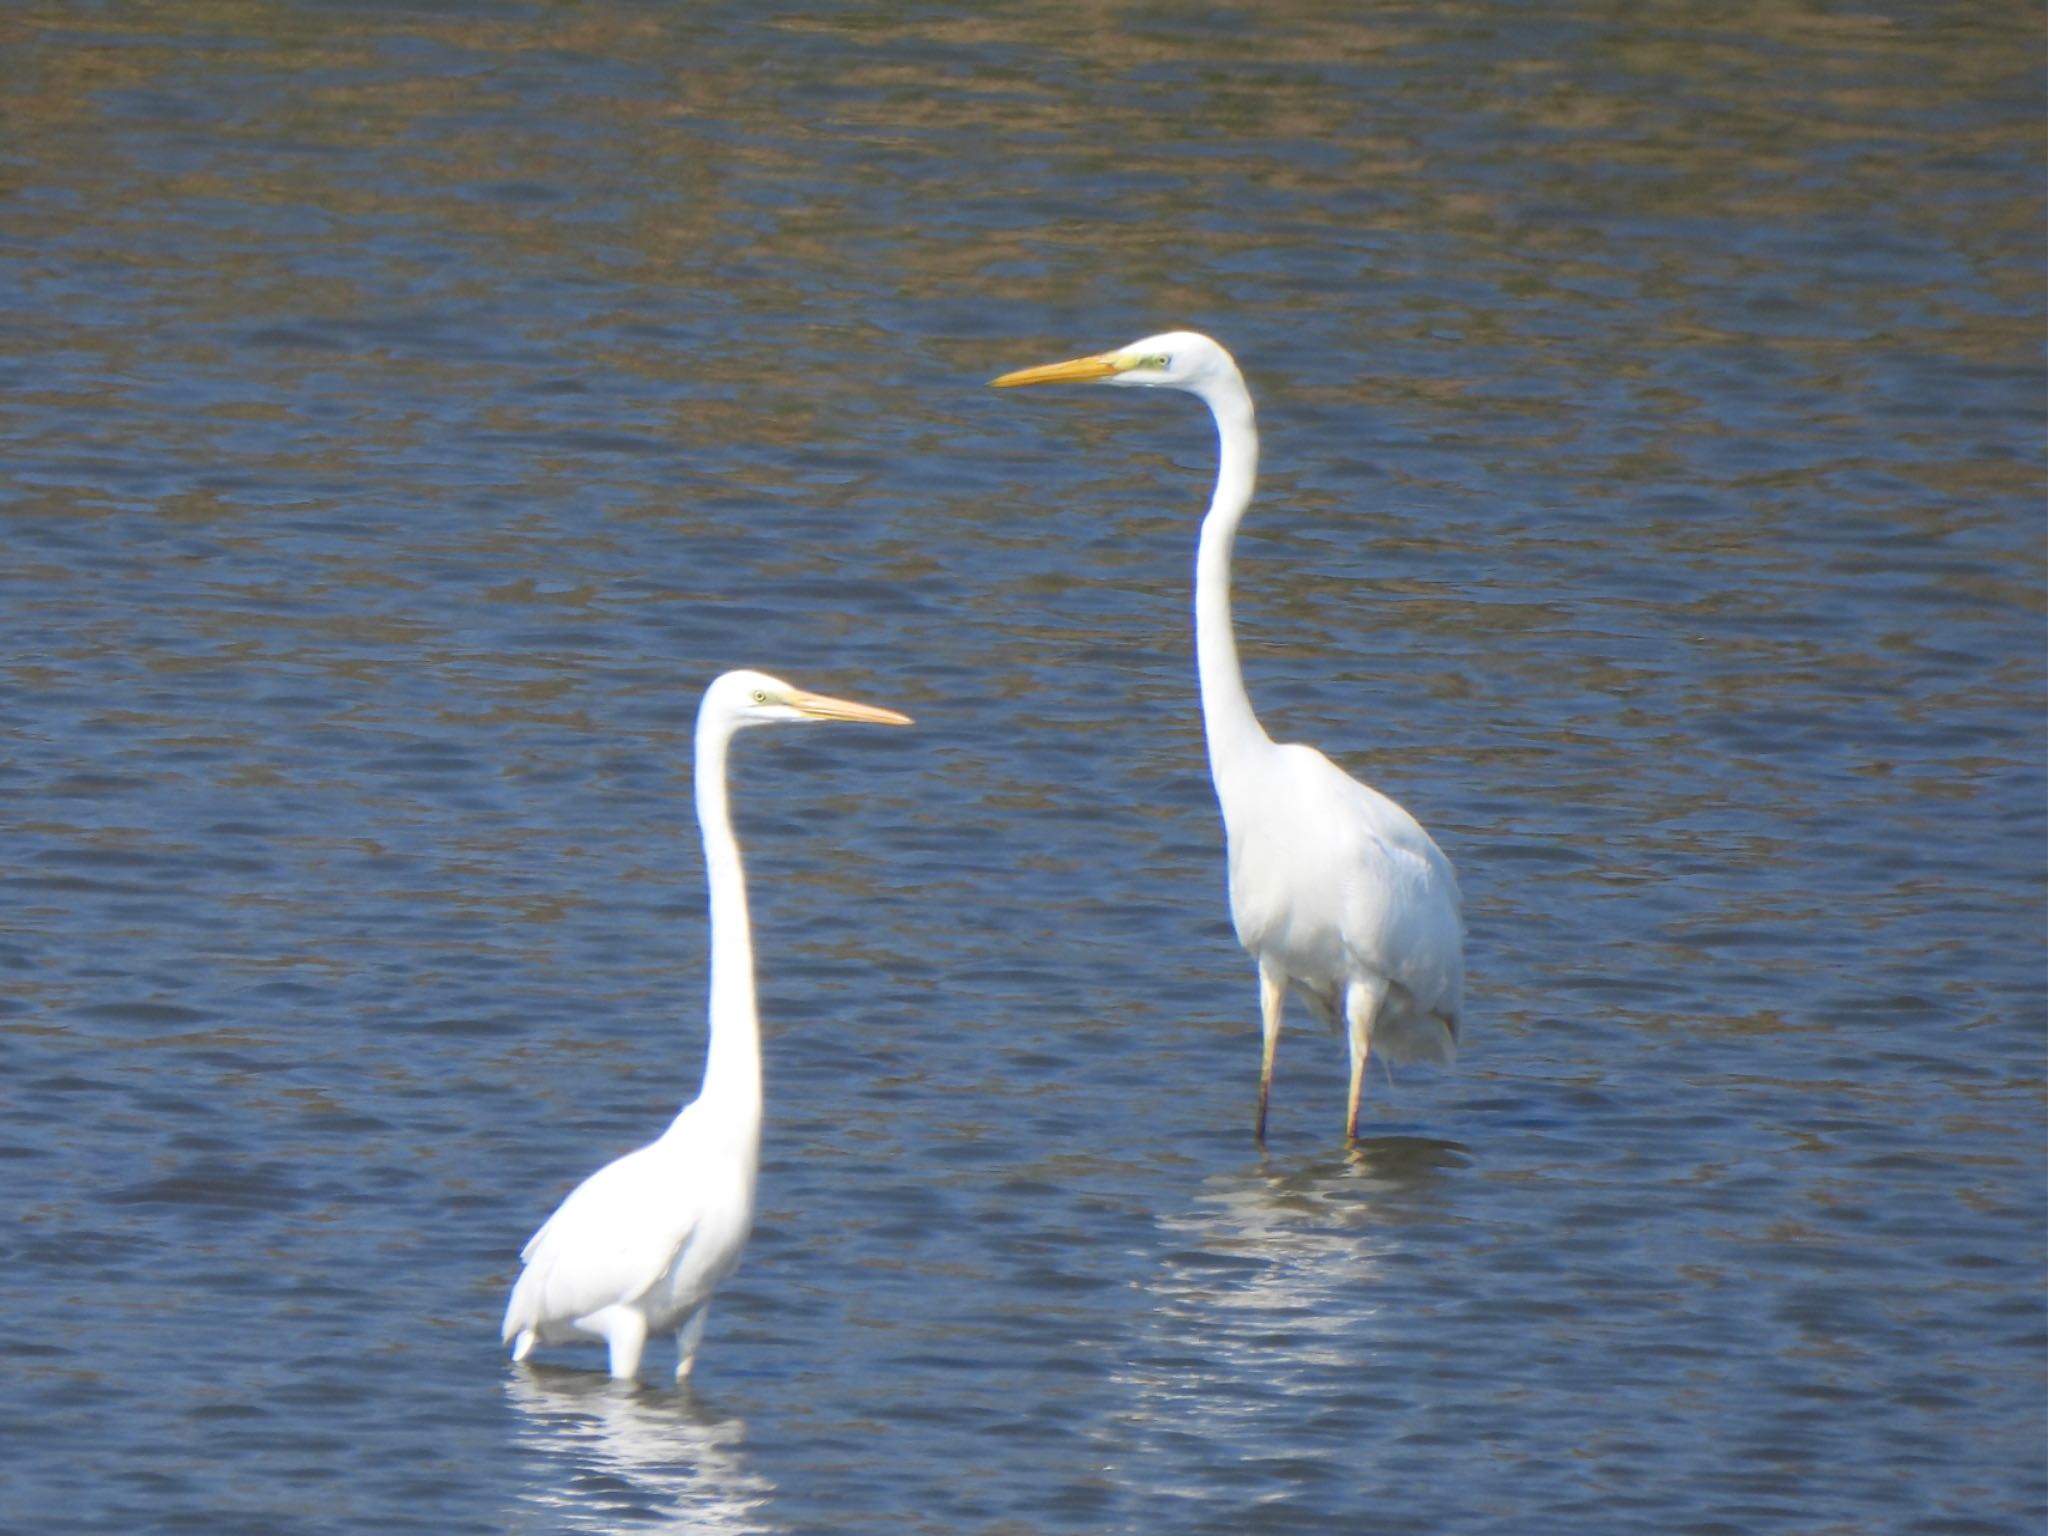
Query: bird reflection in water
x,y
1315,1219
1267,1289
607,1457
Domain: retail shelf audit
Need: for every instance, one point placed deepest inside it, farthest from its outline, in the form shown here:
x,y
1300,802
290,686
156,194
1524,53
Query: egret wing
x,y
1332,876
614,1236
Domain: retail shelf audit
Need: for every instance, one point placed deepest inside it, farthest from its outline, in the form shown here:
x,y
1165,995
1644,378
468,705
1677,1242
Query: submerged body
x,y
639,1247
1335,890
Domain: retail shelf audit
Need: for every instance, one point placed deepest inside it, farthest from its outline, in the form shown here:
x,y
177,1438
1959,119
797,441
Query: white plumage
x,y
639,1247
1334,889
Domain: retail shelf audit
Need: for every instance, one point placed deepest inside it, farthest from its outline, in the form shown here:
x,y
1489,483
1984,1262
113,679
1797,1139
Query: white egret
x,y
1334,889
640,1245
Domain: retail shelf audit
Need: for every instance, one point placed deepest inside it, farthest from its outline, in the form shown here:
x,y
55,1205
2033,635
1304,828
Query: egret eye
x,y
1160,360
760,696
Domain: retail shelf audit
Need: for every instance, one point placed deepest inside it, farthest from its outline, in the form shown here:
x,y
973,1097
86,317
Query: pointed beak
x,y
1080,370
821,707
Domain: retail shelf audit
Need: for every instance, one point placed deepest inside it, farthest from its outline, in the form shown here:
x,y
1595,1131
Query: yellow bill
x,y
1080,370
822,707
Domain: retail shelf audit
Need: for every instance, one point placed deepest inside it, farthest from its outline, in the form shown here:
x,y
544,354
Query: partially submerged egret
x,y
1335,890
640,1245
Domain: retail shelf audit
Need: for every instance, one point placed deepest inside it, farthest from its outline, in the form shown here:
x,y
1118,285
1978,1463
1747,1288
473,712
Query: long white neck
x,y
1227,719
732,1061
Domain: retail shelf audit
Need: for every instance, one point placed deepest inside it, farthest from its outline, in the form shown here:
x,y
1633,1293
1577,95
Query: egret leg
x,y
1272,1003
625,1335
1362,1000
688,1337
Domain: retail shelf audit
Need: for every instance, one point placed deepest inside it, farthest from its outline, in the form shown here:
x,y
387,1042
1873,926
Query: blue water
x,y
408,411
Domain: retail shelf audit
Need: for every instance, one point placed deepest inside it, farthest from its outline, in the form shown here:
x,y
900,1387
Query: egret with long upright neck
x,y
1335,890
639,1246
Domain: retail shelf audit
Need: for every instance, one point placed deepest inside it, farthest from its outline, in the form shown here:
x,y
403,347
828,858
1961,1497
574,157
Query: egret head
x,y
754,698
1171,360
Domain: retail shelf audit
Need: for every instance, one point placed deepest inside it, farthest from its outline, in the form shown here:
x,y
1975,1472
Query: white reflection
x,y
612,1456
1272,1287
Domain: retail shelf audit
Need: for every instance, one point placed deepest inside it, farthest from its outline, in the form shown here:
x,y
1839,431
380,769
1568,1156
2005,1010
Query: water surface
x,y
409,410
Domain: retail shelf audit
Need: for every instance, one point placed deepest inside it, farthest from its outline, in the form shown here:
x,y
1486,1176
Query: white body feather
x,y
1326,898
654,1233
640,1246
1335,890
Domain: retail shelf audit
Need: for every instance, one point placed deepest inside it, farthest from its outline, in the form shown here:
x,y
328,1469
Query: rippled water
x,y
408,410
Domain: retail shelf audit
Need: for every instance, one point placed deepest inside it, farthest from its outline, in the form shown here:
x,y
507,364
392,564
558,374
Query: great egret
x,y
1334,888
640,1245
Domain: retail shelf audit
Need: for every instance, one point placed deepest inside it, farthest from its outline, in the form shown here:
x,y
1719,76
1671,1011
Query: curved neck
x,y
732,1060
1227,718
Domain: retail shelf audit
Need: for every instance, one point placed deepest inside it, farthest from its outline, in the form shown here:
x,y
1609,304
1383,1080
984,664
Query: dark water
x,y
408,410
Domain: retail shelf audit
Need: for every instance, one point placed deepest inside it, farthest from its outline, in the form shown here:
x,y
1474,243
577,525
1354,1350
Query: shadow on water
x,y
608,1454
1398,1160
